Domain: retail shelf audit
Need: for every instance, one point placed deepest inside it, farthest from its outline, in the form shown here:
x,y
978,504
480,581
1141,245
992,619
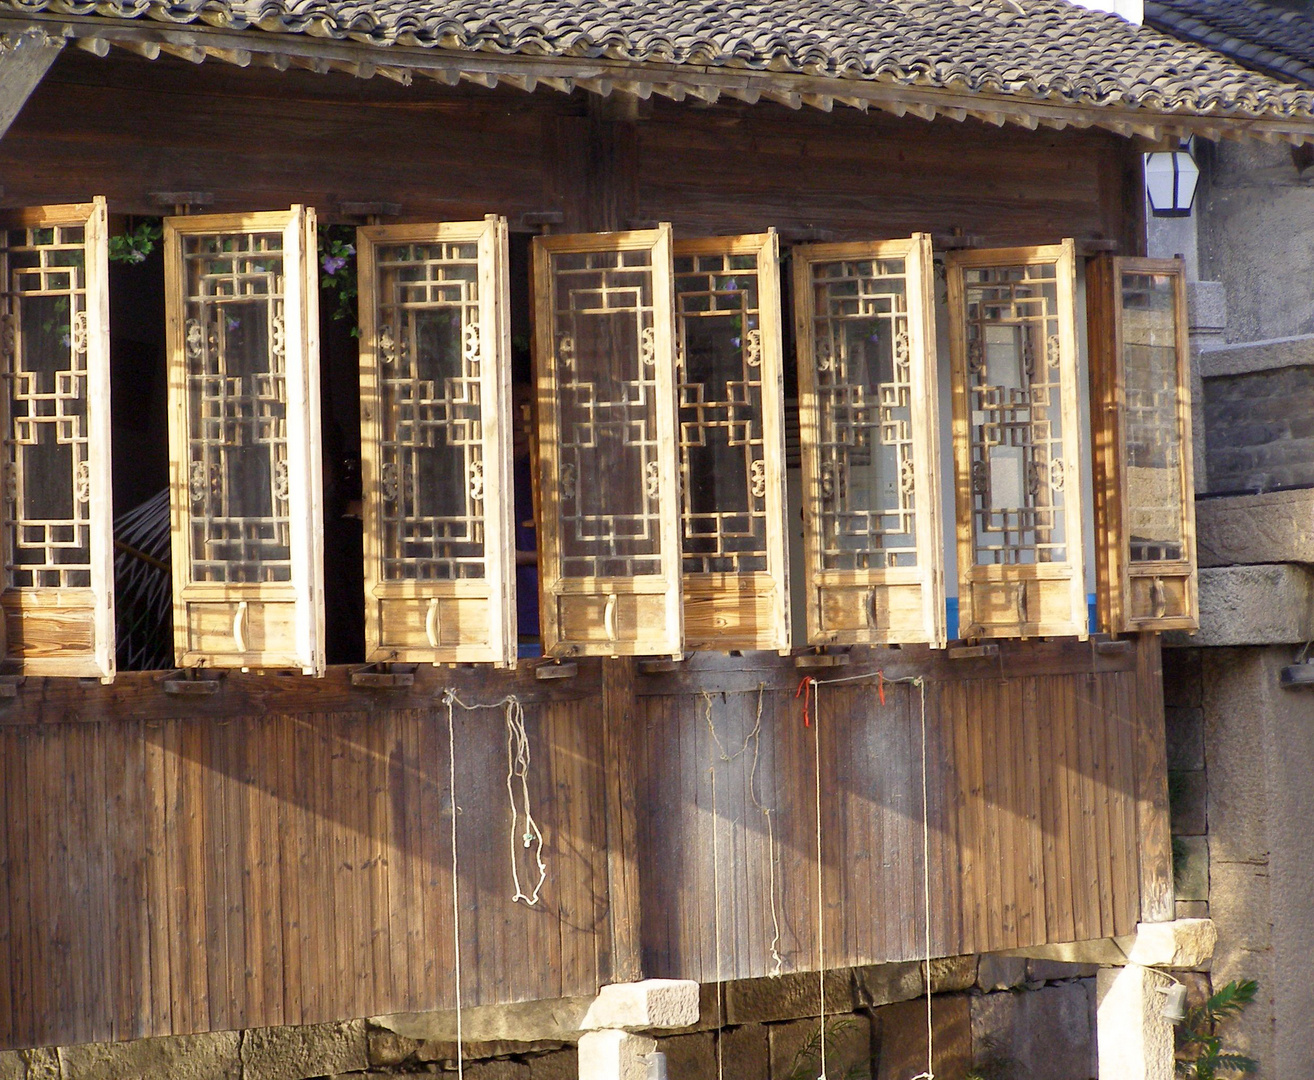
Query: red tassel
x,y
880,685
805,688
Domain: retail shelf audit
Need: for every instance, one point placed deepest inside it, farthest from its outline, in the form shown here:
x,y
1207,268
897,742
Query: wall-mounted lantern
x,y
1171,177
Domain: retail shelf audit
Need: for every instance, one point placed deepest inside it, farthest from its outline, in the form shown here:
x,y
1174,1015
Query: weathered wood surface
x,y
277,138
281,855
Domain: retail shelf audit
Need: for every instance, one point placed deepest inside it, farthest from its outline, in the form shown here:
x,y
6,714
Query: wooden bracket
x,y
369,209
660,665
1297,675
555,669
181,200
384,676
955,241
1113,648
9,685
536,219
971,652
187,682
812,660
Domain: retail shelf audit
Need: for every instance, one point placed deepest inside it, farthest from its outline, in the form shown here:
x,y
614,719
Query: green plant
x,y
134,245
1200,1051
807,1062
337,261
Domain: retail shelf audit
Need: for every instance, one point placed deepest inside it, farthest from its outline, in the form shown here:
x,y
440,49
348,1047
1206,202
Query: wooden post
x,y
25,57
622,822
1155,847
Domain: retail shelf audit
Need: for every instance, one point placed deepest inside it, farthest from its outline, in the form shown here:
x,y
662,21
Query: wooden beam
x,y
25,57
1155,848
620,764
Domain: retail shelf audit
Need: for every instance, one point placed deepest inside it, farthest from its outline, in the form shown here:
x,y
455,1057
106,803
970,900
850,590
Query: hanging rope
x,y
517,770
809,683
450,698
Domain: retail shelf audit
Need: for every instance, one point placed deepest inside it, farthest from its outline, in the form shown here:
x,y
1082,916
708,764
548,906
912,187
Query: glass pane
x,y
606,371
1015,396
237,407
722,451
431,467
43,337
1152,432
866,517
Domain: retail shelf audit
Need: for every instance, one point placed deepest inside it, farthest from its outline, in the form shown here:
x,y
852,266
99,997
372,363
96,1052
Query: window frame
x,y
716,601
302,596
61,607
921,617
1007,587
600,597
496,591
1118,597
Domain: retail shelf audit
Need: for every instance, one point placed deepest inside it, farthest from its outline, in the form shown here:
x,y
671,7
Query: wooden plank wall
x,y
1044,774
175,875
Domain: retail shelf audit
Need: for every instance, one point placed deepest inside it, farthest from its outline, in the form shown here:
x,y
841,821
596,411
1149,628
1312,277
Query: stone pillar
x,y
1135,1041
610,1049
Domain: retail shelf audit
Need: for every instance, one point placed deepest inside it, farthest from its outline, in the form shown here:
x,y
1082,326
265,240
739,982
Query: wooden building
x,y
801,359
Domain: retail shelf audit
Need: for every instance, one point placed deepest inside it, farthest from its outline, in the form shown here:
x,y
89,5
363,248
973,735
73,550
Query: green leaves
x,y
1200,1051
337,263
135,245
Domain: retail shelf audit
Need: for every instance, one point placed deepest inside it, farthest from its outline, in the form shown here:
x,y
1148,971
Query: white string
x,y
450,698
821,939
517,768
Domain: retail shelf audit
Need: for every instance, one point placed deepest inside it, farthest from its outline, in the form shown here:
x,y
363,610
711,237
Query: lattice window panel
x,y
54,343
435,399
1144,489
867,415
1017,442
608,484
242,300
731,405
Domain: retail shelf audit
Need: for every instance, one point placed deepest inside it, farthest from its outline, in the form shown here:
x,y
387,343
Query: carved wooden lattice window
x,y
58,596
1017,442
1145,507
867,412
242,302
731,407
608,488
435,404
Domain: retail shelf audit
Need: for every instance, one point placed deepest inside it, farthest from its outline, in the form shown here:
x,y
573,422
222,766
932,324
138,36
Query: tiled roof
x,y
1047,50
1265,36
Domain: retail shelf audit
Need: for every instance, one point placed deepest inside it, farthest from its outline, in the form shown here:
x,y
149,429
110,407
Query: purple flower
x,y
333,263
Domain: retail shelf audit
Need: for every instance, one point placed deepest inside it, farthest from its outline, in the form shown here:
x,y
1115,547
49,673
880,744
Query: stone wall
x,y
1009,1018
1259,429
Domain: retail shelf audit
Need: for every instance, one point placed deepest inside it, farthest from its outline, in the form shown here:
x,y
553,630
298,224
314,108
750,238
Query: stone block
x,y
746,1052
1135,1041
42,1063
900,1032
1183,943
1253,356
1192,909
497,1070
951,973
1001,972
1187,792
794,1045
1182,678
1191,867
787,997
445,1050
1184,728
639,1006
387,1048
1045,971
296,1053
1254,605
1045,1034
557,1065
1207,303
1275,527
692,1056
614,1055
211,1056
13,1066
884,984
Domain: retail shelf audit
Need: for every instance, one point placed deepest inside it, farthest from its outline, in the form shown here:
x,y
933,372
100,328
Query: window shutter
x,y
868,415
732,444
1145,498
608,485
1017,442
58,595
242,300
436,442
